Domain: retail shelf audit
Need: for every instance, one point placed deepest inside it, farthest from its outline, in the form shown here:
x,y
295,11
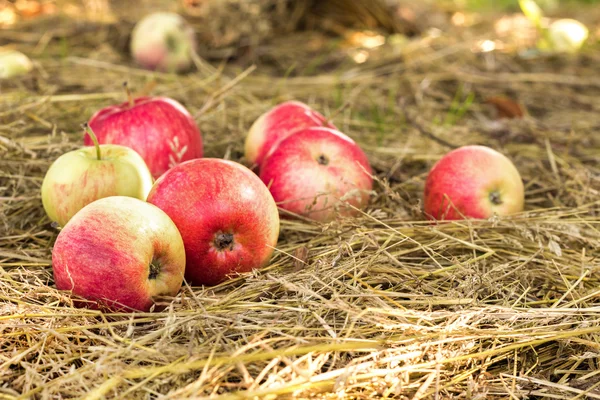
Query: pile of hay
x,y
383,305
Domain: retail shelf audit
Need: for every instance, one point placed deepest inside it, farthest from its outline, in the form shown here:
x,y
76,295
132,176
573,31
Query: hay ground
x,y
384,305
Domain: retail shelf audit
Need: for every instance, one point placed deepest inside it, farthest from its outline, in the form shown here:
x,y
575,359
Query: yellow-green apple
x,y
565,35
473,182
81,176
318,173
226,215
276,124
121,253
163,41
159,128
14,63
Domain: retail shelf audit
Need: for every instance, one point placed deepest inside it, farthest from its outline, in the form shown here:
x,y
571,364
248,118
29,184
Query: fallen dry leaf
x,y
300,257
505,107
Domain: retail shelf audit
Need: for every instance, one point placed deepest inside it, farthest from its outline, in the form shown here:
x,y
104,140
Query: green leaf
x,y
532,11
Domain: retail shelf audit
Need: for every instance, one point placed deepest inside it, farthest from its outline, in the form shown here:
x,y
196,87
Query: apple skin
x,y
479,181
78,178
106,251
227,218
315,171
160,129
163,41
277,124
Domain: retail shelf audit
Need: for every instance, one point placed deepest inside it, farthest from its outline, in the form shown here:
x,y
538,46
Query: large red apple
x,y
160,129
318,173
226,215
276,124
475,182
120,252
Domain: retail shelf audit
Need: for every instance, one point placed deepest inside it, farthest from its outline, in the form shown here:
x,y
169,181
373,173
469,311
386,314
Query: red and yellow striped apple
x,y
121,253
318,173
473,182
160,129
276,124
227,217
79,177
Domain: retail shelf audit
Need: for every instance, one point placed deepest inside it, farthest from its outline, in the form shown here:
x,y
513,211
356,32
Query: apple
x,y
119,252
276,124
14,63
159,128
227,218
82,176
566,35
318,173
163,41
473,182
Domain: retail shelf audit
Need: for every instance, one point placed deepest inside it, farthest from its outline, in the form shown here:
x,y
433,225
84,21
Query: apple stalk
x,y
129,95
90,132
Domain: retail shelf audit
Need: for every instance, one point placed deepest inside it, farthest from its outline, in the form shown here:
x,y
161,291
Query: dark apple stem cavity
x,y
223,241
154,269
495,198
128,93
322,159
171,42
90,132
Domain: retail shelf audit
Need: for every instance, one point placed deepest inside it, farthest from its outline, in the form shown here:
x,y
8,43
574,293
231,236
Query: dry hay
x,y
384,305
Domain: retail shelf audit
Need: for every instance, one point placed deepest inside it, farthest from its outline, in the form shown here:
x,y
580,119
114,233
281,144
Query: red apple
x,y
276,124
318,173
475,182
163,41
227,217
119,252
159,128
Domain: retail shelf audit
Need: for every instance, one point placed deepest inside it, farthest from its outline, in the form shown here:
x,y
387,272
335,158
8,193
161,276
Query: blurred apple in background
x,y
318,173
565,36
14,63
227,218
475,182
79,177
119,252
160,129
163,41
276,124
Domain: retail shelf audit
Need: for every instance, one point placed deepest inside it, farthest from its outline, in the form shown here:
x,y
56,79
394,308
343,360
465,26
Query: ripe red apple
x,y
317,173
159,128
276,124
81,176
227,217
163,41
475,182
119,252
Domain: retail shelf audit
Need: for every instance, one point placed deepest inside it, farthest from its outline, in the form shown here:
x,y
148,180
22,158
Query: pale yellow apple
x,y
78,177
566,35
14,63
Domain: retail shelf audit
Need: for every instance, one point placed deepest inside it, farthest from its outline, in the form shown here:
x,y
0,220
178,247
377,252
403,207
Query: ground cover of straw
x,y
382,305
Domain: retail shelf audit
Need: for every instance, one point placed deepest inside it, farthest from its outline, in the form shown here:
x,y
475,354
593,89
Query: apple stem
x,y
90,132
128,92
